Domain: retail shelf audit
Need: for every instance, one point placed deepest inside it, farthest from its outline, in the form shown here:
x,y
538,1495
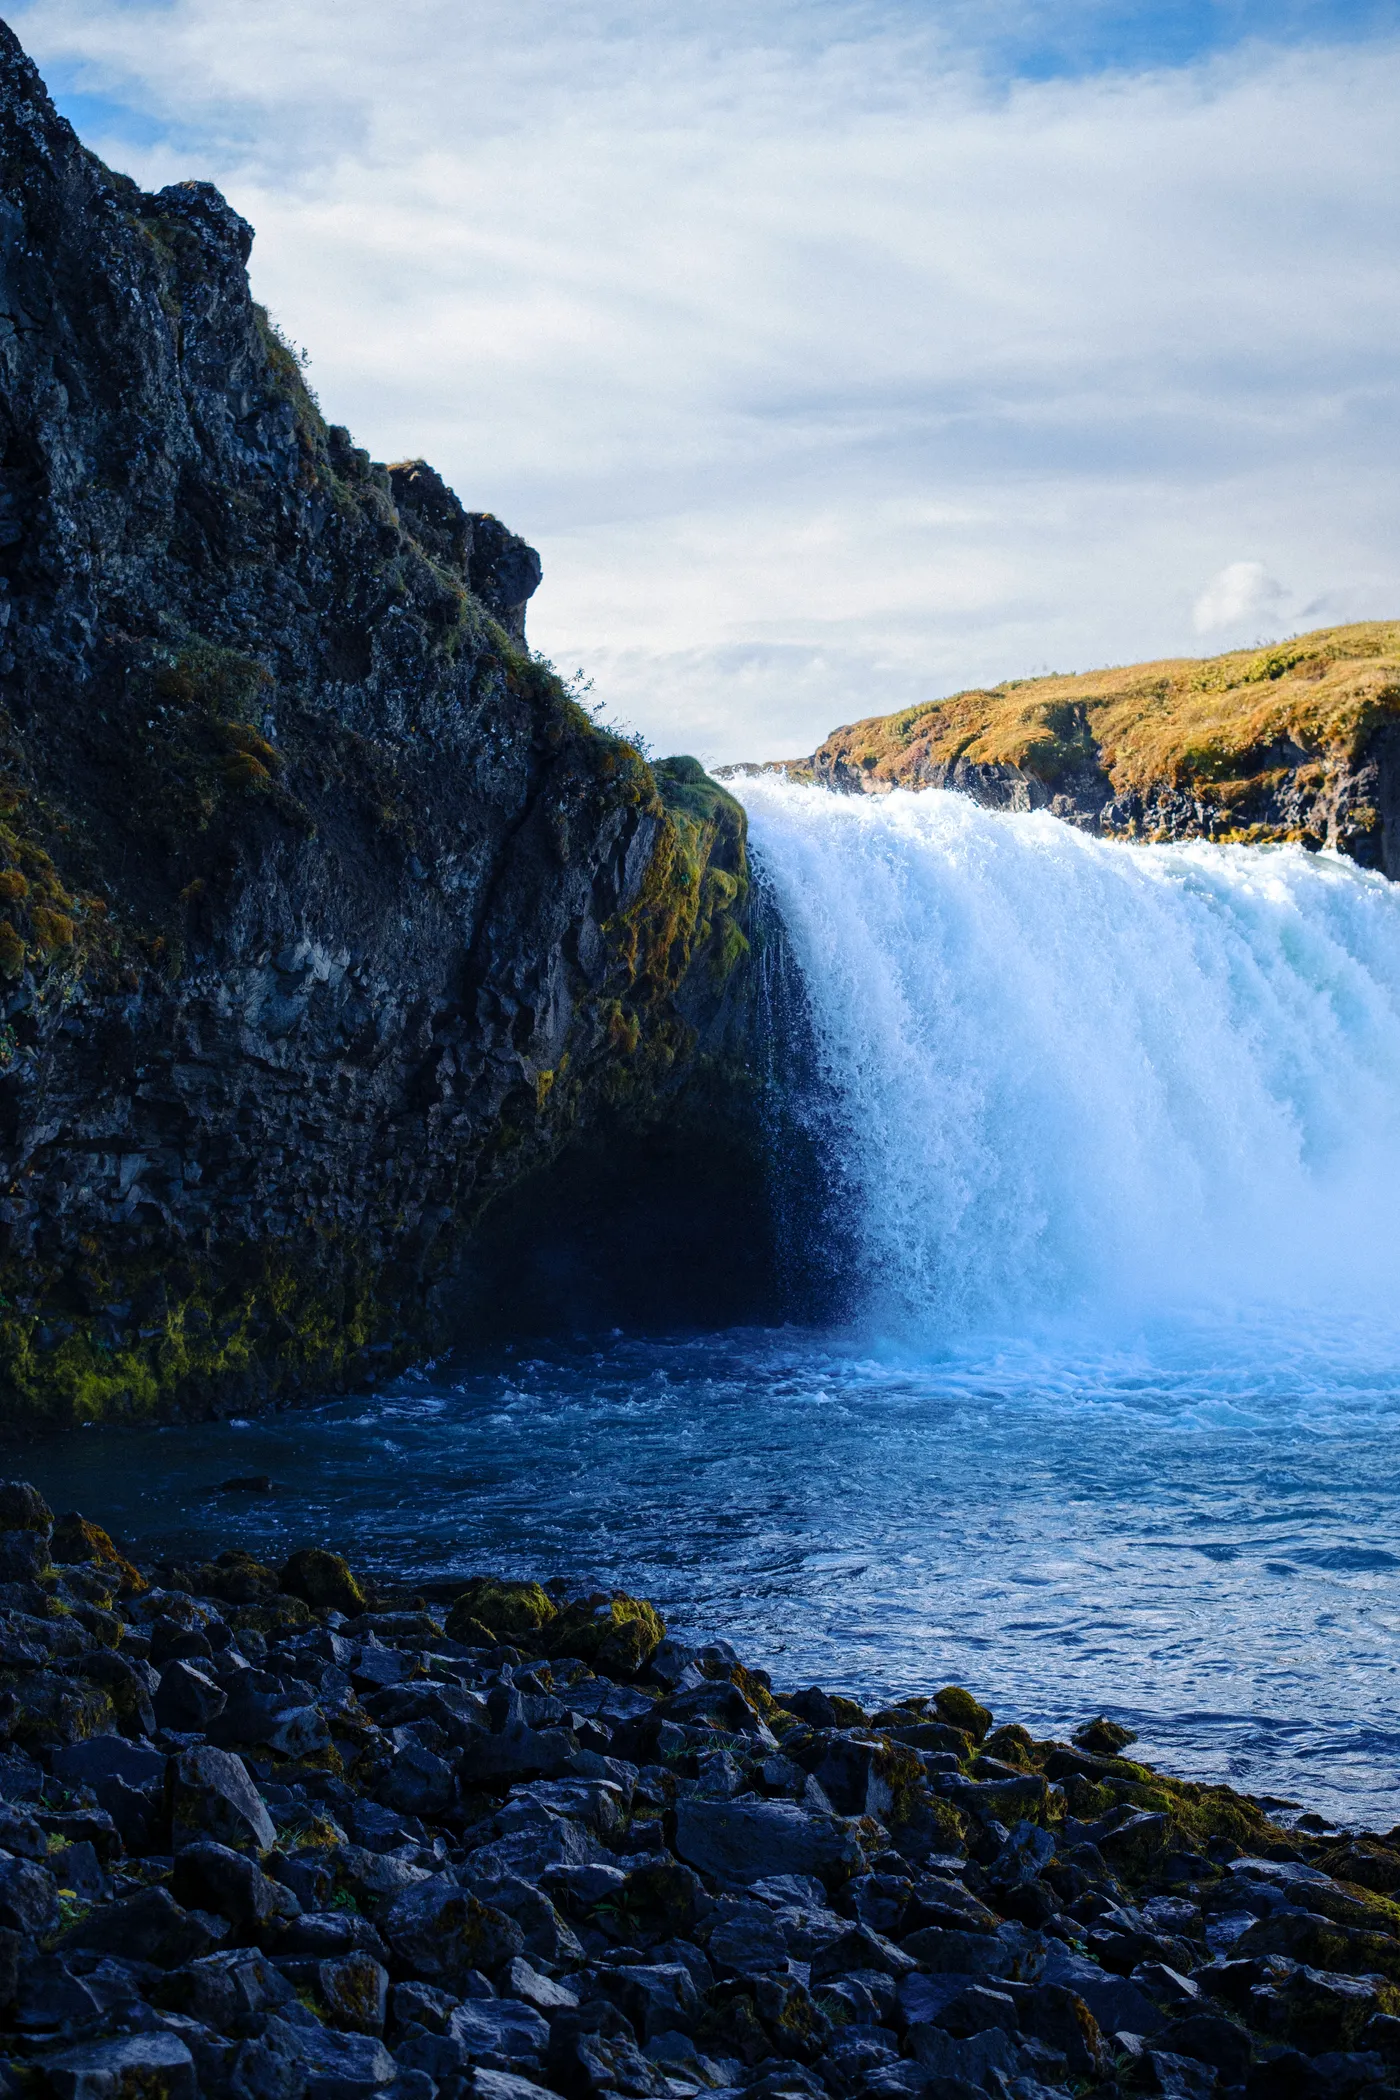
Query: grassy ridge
x,y
1224,728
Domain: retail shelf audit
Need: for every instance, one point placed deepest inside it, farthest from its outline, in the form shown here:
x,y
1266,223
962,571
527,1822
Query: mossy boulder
x,y
1013,1745
76,1539
235,1577
507,1611
273,1616
1104,1737
618,1634
960,1710
323,1580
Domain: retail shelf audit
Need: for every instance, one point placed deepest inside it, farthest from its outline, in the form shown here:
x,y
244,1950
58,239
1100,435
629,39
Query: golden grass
x,y
1187,722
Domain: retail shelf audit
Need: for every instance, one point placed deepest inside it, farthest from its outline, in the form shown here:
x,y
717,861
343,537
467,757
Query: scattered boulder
x,y
324,1581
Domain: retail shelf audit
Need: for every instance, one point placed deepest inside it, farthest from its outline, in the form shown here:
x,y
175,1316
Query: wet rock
x,y
508,1611
1103,1736
617,1633
958,1709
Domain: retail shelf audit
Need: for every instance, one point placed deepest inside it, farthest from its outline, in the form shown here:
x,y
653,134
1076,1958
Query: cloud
x,y
826,368
1243,593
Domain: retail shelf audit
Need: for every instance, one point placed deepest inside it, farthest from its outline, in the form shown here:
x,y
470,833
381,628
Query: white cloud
x,y
823,373
1241,595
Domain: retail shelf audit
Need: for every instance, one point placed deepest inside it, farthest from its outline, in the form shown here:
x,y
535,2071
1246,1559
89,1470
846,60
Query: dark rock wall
x,y
327,919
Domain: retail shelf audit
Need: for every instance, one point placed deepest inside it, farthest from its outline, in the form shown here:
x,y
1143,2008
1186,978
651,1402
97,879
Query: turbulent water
x,y
1111,1426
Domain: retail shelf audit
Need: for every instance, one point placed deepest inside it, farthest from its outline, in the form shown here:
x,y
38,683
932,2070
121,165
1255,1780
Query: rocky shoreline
x,y
297,1835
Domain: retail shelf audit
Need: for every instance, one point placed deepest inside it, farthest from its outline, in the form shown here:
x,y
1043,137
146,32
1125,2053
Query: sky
x,y
834,356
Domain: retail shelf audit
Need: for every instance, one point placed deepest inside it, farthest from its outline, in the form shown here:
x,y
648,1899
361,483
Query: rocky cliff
x,y
1298,741
329,923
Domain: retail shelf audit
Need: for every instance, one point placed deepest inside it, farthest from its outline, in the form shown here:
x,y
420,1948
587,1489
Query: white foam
x,y
1080,1081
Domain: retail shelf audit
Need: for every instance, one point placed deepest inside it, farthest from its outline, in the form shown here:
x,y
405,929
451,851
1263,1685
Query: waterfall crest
x,y
1072,1079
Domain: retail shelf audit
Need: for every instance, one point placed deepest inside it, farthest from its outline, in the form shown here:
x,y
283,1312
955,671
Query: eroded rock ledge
x,y
327,918
296,1833
1296,743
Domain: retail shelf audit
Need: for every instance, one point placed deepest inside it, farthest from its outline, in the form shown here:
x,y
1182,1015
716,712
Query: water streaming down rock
x,y
1069,1078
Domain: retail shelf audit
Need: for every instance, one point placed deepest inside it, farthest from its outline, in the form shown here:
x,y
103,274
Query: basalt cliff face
x,y
1299,741
355,983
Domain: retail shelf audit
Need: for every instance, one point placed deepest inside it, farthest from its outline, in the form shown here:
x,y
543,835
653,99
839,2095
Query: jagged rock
x,y
231,1991
496,2027
440,1932
185,1699
338,2066
211,1796
150,1926
657,1997
28,1896
354,1989
75,1539
209,1876
742,1841
158,2066
274,748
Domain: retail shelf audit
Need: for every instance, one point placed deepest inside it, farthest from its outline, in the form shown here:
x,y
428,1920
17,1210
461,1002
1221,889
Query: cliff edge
x,y
328,920
1298,741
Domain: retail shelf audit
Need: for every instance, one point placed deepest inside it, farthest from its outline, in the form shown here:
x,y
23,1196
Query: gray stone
x,y
157,2066
499,2027
742,1841
656,1997
211,1796
213,1877
185,1699
338,2066
506,2085
355,1992
230,1991
149,1926
519,1980
28,1896
439,1931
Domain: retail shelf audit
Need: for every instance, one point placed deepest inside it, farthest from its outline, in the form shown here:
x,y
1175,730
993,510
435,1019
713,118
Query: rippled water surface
x,y
1211,1557
1116,1140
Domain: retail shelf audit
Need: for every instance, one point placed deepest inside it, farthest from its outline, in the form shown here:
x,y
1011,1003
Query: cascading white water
x,y
1090,1081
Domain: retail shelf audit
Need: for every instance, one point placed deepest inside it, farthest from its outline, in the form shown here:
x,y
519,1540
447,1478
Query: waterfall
x,y
1071,1079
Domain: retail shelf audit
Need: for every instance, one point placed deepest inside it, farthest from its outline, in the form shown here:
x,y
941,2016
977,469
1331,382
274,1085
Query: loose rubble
x,y
296,1835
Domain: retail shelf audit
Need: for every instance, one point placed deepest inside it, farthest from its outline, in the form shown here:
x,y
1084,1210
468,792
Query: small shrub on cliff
x,y
52,929
14,887
11,951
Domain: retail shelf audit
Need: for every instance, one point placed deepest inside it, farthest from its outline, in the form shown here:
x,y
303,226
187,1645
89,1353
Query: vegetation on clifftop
x,y
1230,733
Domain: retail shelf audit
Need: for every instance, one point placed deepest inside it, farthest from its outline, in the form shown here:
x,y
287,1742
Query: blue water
x,y
1219,1568
1114,1425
